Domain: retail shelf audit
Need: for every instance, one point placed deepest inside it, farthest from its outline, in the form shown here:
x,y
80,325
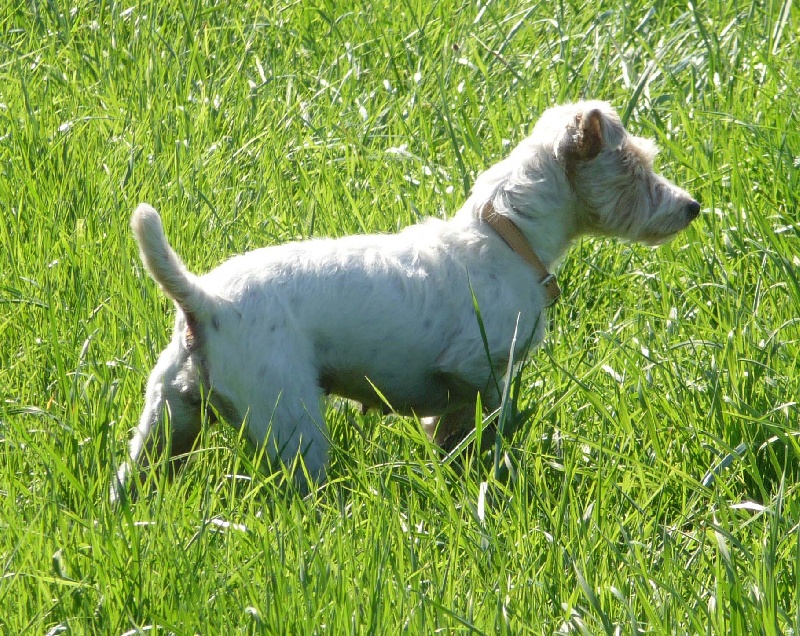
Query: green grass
x,y
249,125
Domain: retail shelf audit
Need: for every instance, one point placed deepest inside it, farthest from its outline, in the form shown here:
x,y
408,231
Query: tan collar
x,y
514,238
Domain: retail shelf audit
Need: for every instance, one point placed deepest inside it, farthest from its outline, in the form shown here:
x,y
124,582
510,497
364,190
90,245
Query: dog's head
x,y
611,174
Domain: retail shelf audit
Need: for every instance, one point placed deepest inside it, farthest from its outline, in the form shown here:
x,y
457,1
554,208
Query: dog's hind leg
x,y
291,432
171,419
285,417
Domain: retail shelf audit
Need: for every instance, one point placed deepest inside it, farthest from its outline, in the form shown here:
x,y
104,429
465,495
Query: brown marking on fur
x,y
582,142
590,141
192,333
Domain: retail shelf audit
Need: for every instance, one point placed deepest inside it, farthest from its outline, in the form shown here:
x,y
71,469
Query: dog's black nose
x,y
692,210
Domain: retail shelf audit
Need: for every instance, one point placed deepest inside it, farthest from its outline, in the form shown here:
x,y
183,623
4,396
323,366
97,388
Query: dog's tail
x,y
164,265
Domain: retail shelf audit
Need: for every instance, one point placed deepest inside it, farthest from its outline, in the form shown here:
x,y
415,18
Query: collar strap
x,y
513,237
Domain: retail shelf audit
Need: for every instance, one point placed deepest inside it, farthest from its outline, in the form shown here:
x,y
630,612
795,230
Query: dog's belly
x,y
432,394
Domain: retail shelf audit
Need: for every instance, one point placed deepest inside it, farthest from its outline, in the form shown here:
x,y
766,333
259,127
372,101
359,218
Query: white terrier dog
x,y
390,320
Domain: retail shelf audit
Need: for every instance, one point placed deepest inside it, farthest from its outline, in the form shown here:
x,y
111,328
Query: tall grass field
x,y
652,484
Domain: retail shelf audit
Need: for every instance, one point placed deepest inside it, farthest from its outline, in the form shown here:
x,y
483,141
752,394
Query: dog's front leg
x,y
451,428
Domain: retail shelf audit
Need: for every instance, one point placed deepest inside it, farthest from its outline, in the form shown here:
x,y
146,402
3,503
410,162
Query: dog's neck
x,y
536,196
516,240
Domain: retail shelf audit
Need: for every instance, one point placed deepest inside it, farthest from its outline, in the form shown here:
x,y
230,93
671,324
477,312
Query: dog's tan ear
x,y
583,139
589,137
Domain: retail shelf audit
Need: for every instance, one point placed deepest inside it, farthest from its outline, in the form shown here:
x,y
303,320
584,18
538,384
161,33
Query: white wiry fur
x,y
267,334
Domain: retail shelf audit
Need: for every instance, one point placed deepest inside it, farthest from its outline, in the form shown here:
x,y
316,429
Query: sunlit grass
x,y
654,488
